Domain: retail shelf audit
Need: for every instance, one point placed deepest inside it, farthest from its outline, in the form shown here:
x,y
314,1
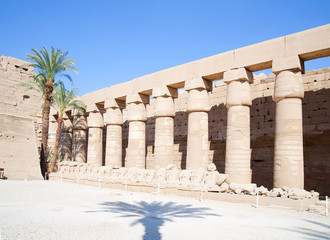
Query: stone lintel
x,y
137,98
287,63
239,74
164,91
198,83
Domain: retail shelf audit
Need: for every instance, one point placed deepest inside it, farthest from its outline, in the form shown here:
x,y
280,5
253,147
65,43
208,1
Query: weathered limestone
x,y
114,121
66,137
288,148
79,141
238,154
164,129
19,152
95,129
197,139
137,130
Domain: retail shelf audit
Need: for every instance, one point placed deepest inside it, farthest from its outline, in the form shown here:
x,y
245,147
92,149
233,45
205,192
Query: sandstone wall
x,y
316,120
20,121
15,100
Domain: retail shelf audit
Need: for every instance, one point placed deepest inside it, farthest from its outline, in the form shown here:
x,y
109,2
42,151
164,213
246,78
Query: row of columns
x,y
288,146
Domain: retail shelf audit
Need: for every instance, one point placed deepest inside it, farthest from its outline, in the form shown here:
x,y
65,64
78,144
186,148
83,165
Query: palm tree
x,y
50,68
63,100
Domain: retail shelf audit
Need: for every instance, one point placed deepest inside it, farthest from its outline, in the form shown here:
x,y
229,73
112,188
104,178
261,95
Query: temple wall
x,y
15,100
20,118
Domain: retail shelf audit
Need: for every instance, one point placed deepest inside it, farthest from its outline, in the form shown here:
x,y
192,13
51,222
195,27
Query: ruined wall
x,y
316,121
15,100
20,118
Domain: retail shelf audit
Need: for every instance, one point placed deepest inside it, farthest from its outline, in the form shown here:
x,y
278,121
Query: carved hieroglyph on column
x,y
114,121
238,102
288,148
95,129
66,137
164,127
136,154
79,141
197,139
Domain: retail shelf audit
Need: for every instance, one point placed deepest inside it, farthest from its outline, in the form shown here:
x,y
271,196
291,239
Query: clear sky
x,y
117,41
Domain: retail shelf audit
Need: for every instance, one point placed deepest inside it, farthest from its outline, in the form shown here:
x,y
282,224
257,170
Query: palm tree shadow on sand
x,y
153,215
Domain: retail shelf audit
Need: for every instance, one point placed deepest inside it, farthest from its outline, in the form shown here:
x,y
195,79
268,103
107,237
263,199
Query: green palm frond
x,y
63,100
52,65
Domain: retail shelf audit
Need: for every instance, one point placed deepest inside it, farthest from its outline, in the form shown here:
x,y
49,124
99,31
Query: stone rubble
x,y
172,177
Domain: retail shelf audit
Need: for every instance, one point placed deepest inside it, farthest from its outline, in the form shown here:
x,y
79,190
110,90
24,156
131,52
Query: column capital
x,y
95,119
137,98
112,103
92,108
287,63
164,91
239,74
198,83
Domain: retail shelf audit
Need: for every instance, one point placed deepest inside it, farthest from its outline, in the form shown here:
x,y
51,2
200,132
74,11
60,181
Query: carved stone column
x,y
136,155
66,137
95,129
114,121
79,138
197,139
288,148
238,102
164,127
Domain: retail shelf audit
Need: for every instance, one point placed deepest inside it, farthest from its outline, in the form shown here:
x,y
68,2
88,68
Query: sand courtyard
x,y
55,210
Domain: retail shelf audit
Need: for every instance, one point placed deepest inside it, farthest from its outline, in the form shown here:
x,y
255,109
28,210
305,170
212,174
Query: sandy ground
x,y
54,210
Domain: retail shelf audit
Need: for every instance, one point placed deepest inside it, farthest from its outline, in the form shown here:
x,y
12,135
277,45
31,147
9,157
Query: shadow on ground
x,y
310,233
153,215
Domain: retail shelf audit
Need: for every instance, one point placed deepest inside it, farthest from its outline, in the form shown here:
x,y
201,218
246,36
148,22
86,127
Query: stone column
x,y
136,154
197,109
66,137
164,127
288,148
95,129
114,121
238,102
79,141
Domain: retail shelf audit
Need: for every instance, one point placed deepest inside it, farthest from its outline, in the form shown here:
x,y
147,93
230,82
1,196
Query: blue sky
x,y
117,41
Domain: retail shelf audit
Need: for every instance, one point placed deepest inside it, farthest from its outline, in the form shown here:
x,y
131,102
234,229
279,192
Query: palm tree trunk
x,y
45,126
57,143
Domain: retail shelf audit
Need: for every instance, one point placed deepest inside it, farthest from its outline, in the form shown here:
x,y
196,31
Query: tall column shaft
x,y
137,145
238,102
288,147
288,152
79,137
113,155
136,154
164,126
238,156
197,139
94,155
66,139
66,146
95,139
79,145
114,121
164,142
